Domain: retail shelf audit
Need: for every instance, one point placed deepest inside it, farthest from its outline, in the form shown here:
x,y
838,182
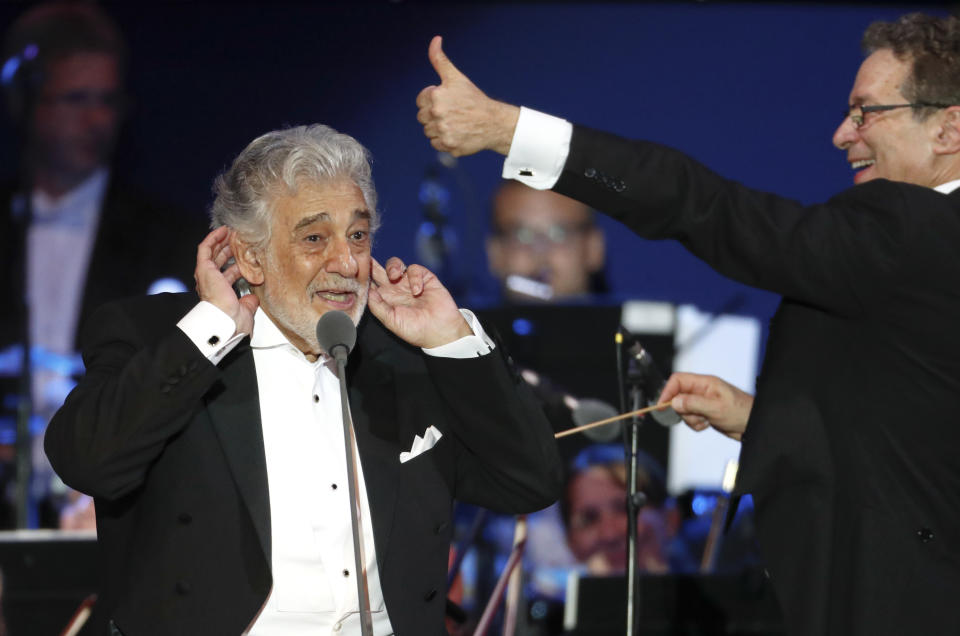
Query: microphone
x,y
589,410
336,334
653,382
583,411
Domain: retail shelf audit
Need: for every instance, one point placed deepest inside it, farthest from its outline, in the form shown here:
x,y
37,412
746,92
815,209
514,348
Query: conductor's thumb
x,y
441,63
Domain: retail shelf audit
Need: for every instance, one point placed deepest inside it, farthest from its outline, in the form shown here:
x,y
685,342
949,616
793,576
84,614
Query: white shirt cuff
x,y
210,330
538,150
467,347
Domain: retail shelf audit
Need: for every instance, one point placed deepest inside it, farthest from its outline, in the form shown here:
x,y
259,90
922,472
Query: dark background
x,y
754,90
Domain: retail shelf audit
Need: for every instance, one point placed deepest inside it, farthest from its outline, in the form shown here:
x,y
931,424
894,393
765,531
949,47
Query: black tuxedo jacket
x,y
171,448
851,449
138,241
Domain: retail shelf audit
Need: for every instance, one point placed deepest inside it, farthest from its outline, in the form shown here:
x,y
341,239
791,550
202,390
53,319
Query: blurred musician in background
x,y
72,235
544,246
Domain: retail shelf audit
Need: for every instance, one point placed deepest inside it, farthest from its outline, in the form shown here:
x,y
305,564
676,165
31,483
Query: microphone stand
x,y
461,550
632,382
366,623
25,381
435,238
22,212
516,556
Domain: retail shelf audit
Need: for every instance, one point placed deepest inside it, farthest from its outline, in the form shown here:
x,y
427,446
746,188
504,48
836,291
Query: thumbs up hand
x,y
457,116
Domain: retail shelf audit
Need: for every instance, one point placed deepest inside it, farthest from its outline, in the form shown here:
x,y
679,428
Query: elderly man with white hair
x,y
208,429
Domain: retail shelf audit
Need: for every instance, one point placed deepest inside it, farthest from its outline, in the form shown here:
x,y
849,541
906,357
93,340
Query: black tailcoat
x,y
851,451
171,448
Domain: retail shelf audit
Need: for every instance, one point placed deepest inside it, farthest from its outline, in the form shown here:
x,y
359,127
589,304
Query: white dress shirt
x,y
59,245
314,585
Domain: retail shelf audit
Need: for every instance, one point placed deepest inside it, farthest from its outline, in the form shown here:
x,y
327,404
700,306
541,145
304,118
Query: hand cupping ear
x,y
413,304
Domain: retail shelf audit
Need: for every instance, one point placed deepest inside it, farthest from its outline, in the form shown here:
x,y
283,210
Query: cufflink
x,y
526,173
213,341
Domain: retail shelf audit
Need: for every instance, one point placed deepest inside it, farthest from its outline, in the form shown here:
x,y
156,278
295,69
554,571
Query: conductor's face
x,y
318,259
889,144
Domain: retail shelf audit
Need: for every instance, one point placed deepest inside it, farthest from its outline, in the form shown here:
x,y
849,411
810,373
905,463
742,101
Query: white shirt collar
x,y
948,187
87,195
266,335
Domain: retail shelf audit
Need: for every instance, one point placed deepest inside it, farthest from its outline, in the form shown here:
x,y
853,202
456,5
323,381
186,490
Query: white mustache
x,y
337,284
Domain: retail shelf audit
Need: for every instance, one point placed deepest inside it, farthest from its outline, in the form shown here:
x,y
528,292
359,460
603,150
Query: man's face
x,y
597,525
318,259
890,144
77,114
546,237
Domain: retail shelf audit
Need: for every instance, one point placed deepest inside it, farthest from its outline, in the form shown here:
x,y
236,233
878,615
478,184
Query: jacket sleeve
x,y
507,456
840,255
138,392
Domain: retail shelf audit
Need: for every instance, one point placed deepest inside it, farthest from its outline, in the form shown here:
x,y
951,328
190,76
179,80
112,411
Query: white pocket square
x,y
422,444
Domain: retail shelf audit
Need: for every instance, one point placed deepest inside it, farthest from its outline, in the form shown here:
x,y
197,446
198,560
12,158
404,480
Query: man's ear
x,y
947,140
247,258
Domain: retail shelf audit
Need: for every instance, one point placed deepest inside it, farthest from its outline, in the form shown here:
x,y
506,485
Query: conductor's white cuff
x,y
538,150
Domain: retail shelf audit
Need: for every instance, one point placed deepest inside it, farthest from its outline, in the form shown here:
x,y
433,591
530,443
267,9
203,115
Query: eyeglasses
x,y
86,100
858,117
554,235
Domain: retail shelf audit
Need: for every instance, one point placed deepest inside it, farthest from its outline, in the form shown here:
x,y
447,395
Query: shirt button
x,y
346,572
316,398
925,535
333,486
590,173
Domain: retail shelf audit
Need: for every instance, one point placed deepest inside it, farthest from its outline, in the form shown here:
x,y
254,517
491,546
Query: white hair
x,y
284,159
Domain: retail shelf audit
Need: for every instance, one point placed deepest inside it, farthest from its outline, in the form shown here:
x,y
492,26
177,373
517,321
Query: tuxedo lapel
x,y
234,409
374,411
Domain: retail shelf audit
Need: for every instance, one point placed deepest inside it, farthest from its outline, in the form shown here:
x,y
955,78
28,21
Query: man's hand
x,y
215,284
458,117
414,304
706,400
